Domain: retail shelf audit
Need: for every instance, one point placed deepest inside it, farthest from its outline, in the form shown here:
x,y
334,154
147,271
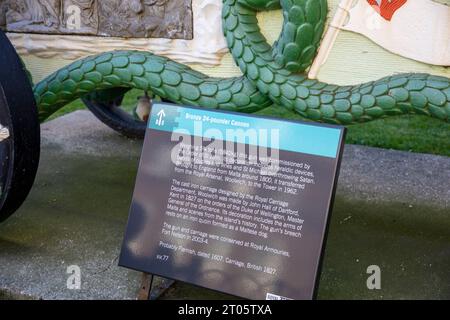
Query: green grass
x,y
74,106
129,102
412,133
408,133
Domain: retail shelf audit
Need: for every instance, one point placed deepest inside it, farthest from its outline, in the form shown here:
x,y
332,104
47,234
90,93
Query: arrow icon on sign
x,y
160,121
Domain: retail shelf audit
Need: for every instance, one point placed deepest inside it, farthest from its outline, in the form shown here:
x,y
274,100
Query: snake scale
x,y
272,75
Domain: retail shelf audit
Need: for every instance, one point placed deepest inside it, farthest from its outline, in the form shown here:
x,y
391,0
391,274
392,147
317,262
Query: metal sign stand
x,y
150,292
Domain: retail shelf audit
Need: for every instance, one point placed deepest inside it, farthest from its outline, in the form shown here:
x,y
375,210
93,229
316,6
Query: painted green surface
x,y
353,59
446,2
270,74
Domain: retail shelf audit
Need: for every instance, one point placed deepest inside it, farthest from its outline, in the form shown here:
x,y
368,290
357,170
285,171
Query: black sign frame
x,y
339,156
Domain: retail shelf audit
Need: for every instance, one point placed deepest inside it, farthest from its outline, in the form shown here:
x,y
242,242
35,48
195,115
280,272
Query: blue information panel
x,y
232,202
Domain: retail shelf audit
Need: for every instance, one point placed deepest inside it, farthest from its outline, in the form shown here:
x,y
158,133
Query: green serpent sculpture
x,y
272,75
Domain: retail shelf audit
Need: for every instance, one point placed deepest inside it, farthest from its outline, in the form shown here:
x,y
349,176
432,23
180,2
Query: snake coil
x,y
272,75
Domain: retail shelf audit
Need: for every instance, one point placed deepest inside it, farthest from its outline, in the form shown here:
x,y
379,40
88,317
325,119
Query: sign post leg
x,y
147,292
